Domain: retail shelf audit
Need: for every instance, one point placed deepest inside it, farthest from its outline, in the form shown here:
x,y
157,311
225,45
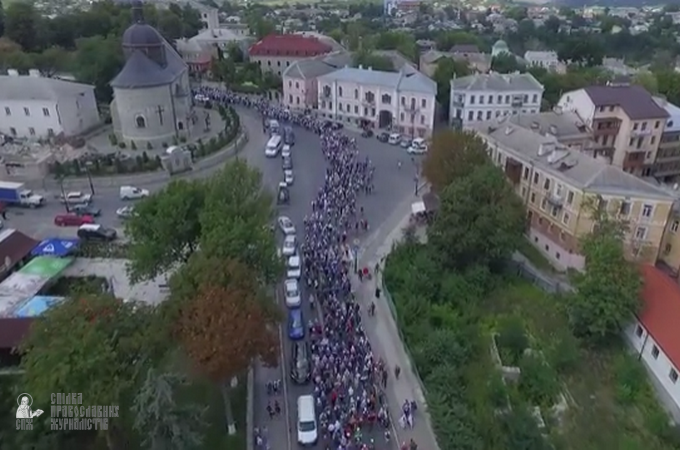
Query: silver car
x,y
293,299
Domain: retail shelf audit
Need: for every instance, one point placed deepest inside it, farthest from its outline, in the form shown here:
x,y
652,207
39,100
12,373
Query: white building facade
x,y
33,107
484,97
395,101
547,60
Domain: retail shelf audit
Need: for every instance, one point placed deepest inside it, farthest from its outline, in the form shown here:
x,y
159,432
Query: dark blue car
x,y
296,326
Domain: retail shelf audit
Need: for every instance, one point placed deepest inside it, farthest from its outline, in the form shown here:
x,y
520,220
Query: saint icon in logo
x,y
25,401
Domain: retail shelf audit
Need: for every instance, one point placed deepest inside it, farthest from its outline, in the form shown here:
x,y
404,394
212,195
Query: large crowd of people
x,y
347,377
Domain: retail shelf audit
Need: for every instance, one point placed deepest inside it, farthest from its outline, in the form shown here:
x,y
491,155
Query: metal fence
x,y
539,278
393,311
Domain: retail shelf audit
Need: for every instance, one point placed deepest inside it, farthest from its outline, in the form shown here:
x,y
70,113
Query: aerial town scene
x,y
339,225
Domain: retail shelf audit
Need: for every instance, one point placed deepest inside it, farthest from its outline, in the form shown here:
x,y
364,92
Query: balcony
x,y
640,133
606,127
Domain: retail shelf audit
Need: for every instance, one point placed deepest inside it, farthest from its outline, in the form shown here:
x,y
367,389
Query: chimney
x,y
35,73
12,72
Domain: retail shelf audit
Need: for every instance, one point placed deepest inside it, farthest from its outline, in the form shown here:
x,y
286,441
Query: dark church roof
x,y
141,70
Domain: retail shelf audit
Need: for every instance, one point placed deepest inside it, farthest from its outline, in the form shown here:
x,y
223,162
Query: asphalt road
x,y
392,185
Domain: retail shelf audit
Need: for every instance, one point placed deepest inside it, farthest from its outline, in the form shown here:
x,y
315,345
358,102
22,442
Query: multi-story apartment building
x,y
667,163
561,186
276,52
486,96
399,101
565,126
300,83
626,123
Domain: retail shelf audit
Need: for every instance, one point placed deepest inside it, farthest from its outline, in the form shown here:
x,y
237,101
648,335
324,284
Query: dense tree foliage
x,y
608,291
453,155
480,221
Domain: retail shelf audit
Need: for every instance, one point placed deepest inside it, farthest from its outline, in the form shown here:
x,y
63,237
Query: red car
x,y
72,220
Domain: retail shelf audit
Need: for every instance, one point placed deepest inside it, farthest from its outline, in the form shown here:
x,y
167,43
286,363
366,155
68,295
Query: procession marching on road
x,y
345,406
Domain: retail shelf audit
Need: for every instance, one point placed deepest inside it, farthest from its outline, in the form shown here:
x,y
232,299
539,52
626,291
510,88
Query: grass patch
x,y
612,404
535,256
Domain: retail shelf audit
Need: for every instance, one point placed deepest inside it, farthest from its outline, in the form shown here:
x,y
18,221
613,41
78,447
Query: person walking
x,y
397,371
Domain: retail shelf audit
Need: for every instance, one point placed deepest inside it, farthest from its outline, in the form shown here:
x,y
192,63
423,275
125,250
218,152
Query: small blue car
x,y
296,326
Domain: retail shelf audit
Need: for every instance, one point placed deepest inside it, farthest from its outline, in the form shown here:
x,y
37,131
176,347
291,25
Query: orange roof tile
x,y
660,314
289,45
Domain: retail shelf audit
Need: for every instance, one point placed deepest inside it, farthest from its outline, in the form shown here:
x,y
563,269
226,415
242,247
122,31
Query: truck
x,y
16,194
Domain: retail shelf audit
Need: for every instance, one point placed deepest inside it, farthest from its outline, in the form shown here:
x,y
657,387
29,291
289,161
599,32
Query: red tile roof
x,y
289,45
661,312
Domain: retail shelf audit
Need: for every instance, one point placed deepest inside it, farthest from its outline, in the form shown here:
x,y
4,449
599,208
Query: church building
x,y
152,103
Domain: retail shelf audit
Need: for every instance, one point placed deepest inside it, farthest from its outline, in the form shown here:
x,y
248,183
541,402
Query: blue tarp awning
x,y
55,247
37,306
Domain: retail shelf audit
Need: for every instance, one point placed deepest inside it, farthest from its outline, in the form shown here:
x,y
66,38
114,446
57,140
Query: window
x,y
31,131
422,120
533,197
356,109
535,178
356,93
471,116
674,226
507,99
488,115
546,184
423,103
655,351
481,99
638,331
480,115
401,117
565,218
46,112
535,98
570,198
657,123
339,91
339,106
640,233
644,126
297,85
524,192
490,99
559,190
26,111
13,131
667,249
290,98
544,204
635,126
472,99
7,111
525,174
624,210
403,101
140,121
647,211
554,211
673,375
499,100
290,84
50,132
631,142
386,99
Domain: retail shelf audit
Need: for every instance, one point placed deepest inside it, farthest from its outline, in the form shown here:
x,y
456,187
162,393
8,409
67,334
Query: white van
x,y
394,139
307,433
418,147
132,193
273,146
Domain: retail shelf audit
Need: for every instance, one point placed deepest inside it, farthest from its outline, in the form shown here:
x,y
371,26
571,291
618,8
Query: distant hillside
x,y
610,3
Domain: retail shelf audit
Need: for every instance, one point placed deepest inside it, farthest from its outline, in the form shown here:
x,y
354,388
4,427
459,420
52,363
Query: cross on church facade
x,y
160,110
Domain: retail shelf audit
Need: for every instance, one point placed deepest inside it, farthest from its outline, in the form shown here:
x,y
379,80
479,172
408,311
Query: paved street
x,y
392,186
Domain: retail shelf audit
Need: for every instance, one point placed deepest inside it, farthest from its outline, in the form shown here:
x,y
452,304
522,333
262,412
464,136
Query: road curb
x,y
149,178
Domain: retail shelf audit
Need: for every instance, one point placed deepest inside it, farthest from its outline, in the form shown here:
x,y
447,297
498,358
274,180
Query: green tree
x,y
581,49
447,69
375,61
453,155
226,326
52,61
648,81
608,291
235,220
97,61
480,221
21,25
165,229
165,423
170,25
506,63
97,343
668,82
521,430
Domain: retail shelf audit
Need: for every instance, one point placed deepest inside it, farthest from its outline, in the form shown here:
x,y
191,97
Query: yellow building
x,y
560,185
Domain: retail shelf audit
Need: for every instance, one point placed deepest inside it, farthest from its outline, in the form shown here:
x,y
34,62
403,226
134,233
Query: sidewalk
x,y
384,336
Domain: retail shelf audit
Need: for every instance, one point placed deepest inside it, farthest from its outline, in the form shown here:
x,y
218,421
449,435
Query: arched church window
x,y
140,121
386,99
340,91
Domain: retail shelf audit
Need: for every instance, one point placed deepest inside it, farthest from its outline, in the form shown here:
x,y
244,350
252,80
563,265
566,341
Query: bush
x,y
563,353
511,340
538,382
630,379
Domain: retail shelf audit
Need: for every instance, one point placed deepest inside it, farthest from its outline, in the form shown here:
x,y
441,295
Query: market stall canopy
x,y
37,306
55,247
14,247
417,208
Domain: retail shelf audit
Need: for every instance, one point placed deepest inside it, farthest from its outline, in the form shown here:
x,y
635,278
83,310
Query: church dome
x,y
142,35
500,44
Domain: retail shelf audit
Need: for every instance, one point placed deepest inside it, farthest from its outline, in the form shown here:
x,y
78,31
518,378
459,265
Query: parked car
x,y
285,153
76,198
289,245
289,135
287,163
86,210
292,292
394,139
418,147
286,225
96,232
383,137
405,143
72,220
300,371
125,212
288,177
296,326
294,267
